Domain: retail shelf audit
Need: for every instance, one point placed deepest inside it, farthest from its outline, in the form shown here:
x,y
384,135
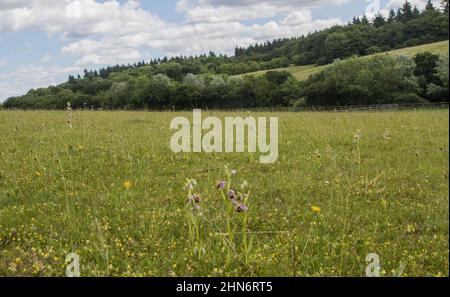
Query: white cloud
x,y
78,17
3,62
302,16
26,77
46,58
10,4
219,10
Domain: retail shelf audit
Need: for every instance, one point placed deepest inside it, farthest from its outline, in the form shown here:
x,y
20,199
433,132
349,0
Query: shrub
x,y
373,50
400,98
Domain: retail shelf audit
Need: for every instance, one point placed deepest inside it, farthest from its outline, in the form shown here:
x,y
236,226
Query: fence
x,y
356,108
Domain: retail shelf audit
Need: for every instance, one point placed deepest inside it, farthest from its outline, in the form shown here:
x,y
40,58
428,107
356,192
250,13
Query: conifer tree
x,y
407,11
391,17
430,6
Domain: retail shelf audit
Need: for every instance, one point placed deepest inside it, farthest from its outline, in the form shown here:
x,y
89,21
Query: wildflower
x,y
231,194
410,228
128,185
240,207
38,173
69,115
195,198
242,197
233,172
387,134
190,184
357,136
12,267
317,154
199,252
316,209
244,185
221,185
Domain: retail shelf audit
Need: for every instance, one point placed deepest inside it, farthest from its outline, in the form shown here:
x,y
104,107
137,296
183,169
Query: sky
x,y
42,42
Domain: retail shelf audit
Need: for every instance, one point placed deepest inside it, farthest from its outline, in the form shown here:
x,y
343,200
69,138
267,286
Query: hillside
x,y
303,72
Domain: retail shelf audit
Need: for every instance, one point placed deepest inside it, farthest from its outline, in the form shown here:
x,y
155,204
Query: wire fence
x,y
356,108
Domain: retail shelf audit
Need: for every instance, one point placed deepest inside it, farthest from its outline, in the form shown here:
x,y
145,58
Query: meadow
x,y
111,190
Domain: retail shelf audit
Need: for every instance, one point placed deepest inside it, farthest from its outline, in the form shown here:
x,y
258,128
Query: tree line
x,y
377,79
209,81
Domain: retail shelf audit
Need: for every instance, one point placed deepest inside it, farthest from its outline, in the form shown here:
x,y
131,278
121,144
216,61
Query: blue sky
x,y
43,41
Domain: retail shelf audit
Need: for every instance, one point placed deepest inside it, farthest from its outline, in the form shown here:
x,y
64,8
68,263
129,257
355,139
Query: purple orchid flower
x,y
221,185
195,198
231,194
242,208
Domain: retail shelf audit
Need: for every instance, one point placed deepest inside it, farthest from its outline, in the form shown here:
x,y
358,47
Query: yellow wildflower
x,y
128,184
316,209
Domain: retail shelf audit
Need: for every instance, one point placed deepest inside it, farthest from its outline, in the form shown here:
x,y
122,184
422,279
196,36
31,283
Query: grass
x,y
111,190
299,72
304,72
437,48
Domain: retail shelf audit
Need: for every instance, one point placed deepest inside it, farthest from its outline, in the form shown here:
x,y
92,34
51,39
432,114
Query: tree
x,y
426,67
439,91
444,5
391,17
407,11
276,78
365,20
399,15
427,72
442,71
356,21
157,92
429,6
416,12
379,20
291,92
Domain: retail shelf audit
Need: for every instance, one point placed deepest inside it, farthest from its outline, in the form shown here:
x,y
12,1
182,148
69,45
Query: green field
x,y
111,190
303,72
